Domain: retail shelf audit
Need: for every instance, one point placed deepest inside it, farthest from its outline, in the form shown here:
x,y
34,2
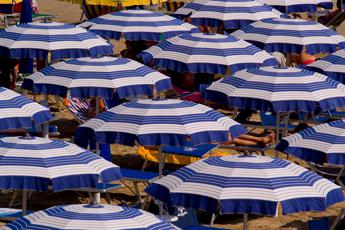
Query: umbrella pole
x,y
160,161
45,130
24,202
97,104
97,196
277,132
338,179
245,221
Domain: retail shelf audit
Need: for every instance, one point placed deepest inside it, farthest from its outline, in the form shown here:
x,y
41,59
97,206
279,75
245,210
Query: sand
x,y
126,157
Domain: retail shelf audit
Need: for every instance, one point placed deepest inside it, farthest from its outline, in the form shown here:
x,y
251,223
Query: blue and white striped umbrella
x,y
90,217
138,25
37,40
291,6
17,111
103,77
33,163
332,65
320,144
160,122
207,53
291,36
247,184
278,89
234,14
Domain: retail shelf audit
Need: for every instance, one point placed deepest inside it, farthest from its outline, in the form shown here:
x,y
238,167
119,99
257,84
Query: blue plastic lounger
x,y
195,151
136,177
268,121
189,220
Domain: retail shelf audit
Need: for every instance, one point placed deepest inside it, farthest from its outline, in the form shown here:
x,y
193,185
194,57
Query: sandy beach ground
x,y
126,157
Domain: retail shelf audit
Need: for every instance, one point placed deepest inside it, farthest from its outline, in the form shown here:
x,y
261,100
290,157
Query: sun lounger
x,y
136,177
248,149
195,151
268,121
334,114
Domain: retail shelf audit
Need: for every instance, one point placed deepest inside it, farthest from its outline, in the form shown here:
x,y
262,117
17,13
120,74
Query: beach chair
x,y
269,122
188,220
137,177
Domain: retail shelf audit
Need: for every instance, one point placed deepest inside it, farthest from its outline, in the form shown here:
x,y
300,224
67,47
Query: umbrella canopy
x,y
319,144
207,53
292,6
233,14
332,65
17,111
227,184
291,36
33,163
160,122
86,77
37,40
81,216
278,89
138,25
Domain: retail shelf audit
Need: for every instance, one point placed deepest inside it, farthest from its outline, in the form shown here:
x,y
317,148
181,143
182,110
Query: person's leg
x,y
249,139
244,142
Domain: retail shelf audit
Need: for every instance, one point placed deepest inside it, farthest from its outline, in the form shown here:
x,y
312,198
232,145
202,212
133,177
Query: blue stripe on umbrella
x,y
143,122
207,53
83,216
291,36
138,25
33,163
102,77
24,113
229,183
319,144
43,38
263,89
